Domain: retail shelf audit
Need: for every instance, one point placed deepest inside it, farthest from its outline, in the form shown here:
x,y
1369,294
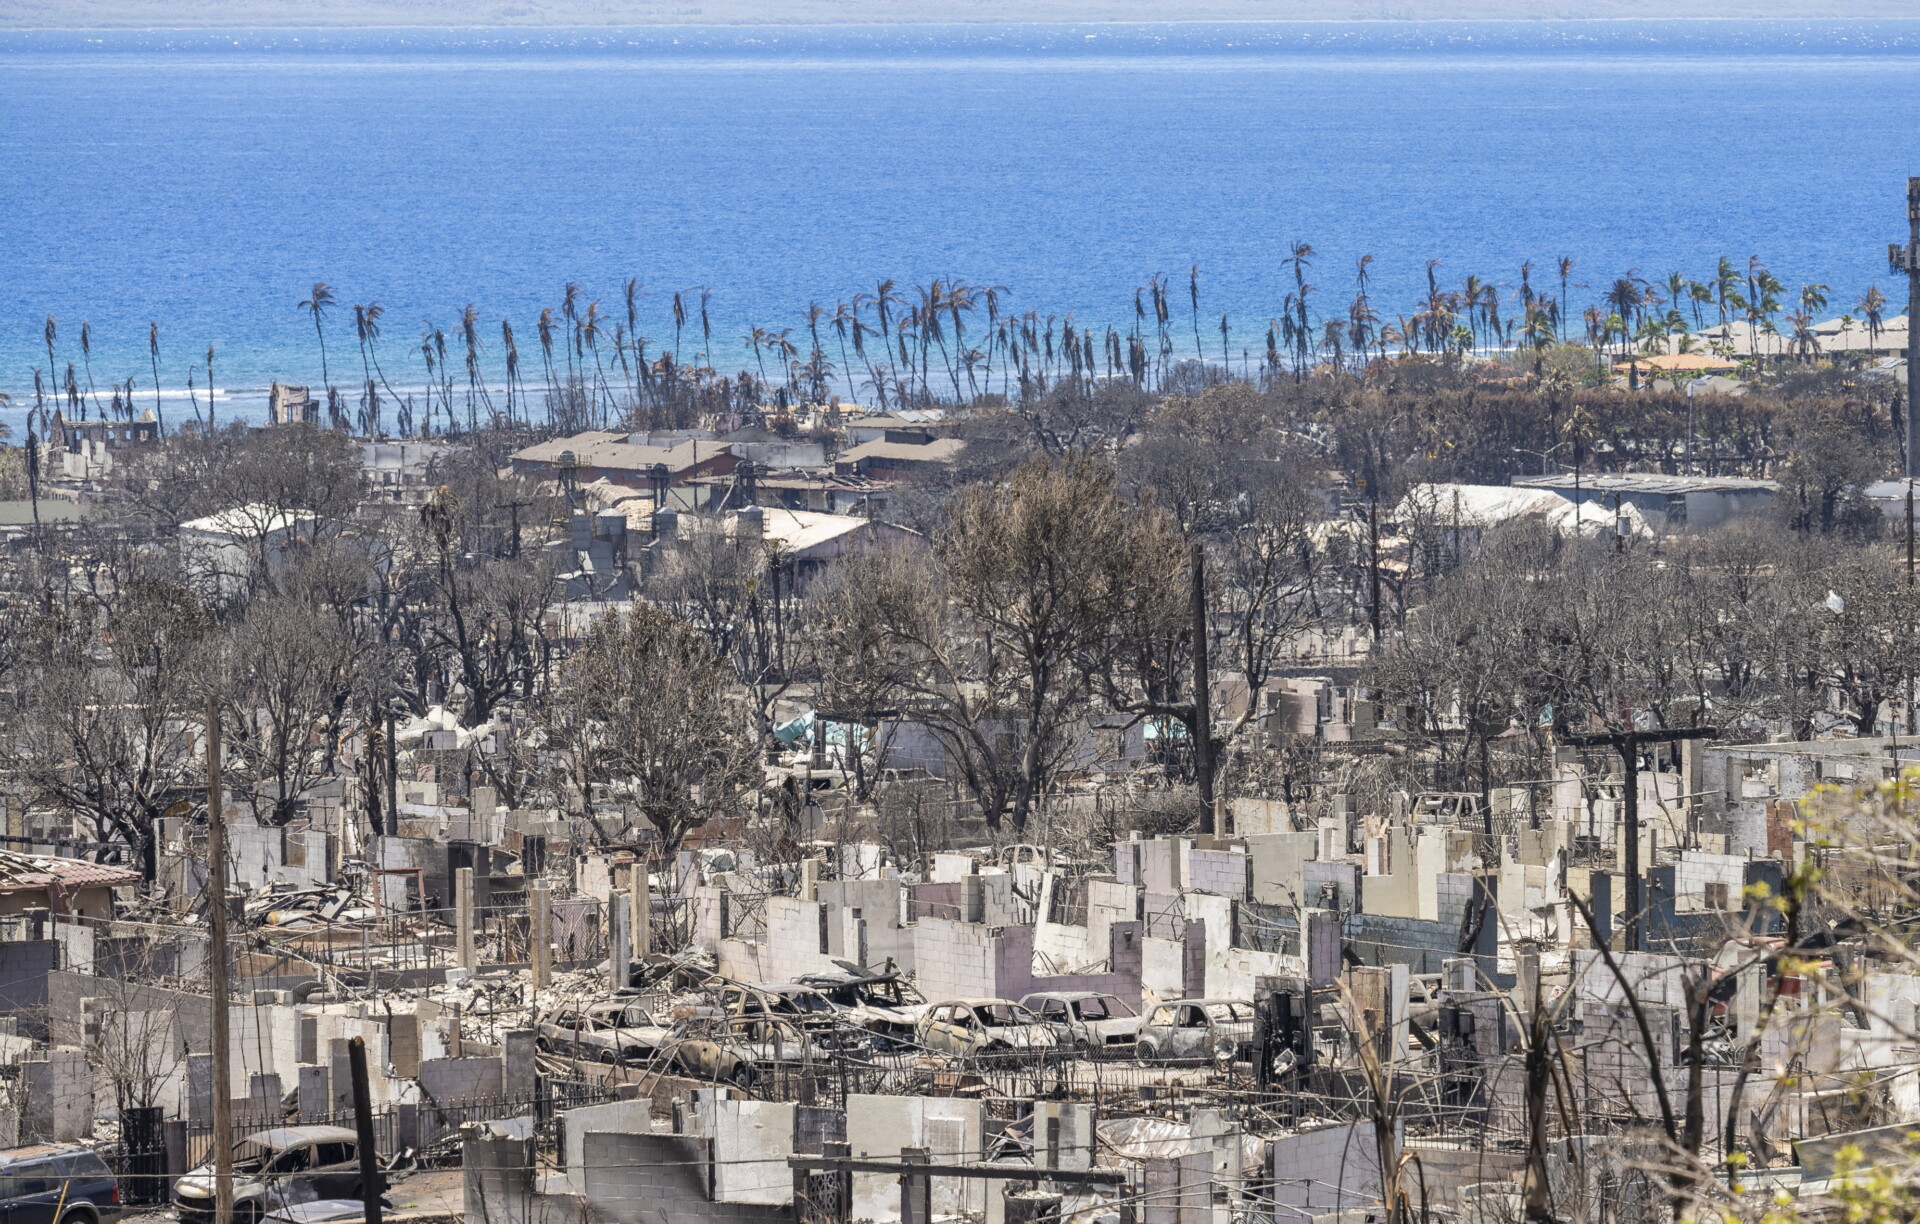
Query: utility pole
x,y
217,923
1373,564
393,777
371,1182
1202,698
1907,259
1627,744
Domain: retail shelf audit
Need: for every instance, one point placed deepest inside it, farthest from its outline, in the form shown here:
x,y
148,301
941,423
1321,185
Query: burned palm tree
x,y
1193,299
86,360
1363,322
843,318
374,313
369,394
153,352
513,364
817,357
570,312
426,355
592,327
633,292
446,376
706,326
545,328
1566,270
316,304
49,333
476,388
782,344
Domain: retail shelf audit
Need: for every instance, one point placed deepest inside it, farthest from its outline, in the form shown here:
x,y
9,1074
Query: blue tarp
x,y
796,731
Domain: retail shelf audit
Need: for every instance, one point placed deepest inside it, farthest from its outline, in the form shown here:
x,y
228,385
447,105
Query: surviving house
x,y
597,455
59,885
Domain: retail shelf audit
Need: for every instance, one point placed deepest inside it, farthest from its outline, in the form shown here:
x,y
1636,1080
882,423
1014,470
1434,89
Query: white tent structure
x,y
1479,508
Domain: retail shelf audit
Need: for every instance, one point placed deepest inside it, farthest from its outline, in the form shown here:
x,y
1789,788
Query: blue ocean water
x,y
204,180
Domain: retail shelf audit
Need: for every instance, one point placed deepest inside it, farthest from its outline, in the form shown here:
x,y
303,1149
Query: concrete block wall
x,y
751,1143
499,1187
452,1082
1163,968
1231,971
951,867
1417,944
799,935
1223,873
878,1127
957,959
1179,1189
25,966
618,1117
1696,869
1060,946
1160,863
1108,902
1278,860
427,856
1165,914
1002,904
1453,894
879,904
635,1178
59,1097
1333,1169
1261,816
1344,877
1123,981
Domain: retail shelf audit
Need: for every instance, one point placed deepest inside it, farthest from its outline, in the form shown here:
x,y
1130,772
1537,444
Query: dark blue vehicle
x,y
57,1183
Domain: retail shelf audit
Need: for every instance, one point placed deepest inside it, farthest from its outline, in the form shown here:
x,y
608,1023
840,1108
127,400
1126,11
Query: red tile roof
x,y
22,871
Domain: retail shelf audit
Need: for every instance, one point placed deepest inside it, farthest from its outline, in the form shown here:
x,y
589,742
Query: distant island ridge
x,y
280,14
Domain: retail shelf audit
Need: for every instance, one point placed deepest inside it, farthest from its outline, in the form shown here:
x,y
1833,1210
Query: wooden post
x,y
1913,317
393,779
1202,696
463,916
217,926
640,921
540,932
1627,744
371,1180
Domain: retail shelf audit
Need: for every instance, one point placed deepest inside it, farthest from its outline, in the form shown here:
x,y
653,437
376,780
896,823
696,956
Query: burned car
x,y
619,1031
981,1026
1086,1019
276,1168
743,1050
1196,1028
883,1003
797,1001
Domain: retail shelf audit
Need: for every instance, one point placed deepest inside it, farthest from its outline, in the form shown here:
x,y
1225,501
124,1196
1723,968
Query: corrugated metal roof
x,y
1649,482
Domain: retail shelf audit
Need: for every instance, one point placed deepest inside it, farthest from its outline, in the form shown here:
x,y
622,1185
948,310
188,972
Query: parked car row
x,y
277,1169
753,1029
617,1031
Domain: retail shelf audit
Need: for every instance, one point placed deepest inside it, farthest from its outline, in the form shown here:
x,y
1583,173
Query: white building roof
x,y
253,519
